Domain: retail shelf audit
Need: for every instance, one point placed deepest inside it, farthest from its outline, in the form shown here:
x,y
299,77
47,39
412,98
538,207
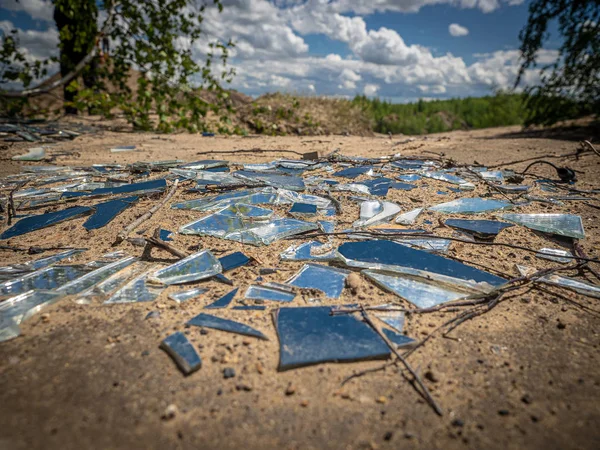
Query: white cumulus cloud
x,y
457,30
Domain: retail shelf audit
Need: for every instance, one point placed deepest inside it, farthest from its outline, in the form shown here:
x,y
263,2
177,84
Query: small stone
x,y
145,353
503,412
561,325
290,390
353,281
170,412
458,423
243,387
526,399
203,331
228,372
381,399
45,317
259,368
388,436
431,376
304,403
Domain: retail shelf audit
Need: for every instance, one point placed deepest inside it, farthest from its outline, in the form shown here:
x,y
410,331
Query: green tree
x,y
148,44
571,84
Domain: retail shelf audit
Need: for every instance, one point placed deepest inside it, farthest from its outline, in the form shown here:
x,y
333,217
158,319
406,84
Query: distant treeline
x,y
444,115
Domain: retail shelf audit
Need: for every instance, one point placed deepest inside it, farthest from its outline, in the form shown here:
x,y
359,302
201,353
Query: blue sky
x,y
396,49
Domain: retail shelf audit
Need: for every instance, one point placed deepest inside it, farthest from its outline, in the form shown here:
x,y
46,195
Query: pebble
x,y
243,387
458,423
431,376
304,403
170,412
353,282
290,390
259,368
526,399
228,372
381,399
503,412
388,436
45,317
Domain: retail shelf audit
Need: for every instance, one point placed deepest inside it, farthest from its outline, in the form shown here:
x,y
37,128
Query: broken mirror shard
x,y
111,284
391,256
429,245
188,294
398,339
269,293
195,267
105,212
311,335
34,223
181,350
137,290
224,301
555,254
233,261
92,278
378,186
394,319
418,291
20,308
133,188
376,212
328,226
403,186
272,231
248,212
308,251
512,188
47,278
408,218
249,308
449,178
562,224
352,172
220,201
471,206
272,179
411,177
123,148
582,287
303,209
329,280
17,269
217,323
165,235
484,229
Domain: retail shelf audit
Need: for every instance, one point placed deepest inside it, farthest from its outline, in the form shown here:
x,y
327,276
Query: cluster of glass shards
x,y
258,204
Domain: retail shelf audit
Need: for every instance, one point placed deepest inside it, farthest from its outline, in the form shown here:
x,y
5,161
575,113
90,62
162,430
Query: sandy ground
x,y
525,375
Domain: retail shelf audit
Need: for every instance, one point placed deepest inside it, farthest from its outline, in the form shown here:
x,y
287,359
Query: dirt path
x,y
526,375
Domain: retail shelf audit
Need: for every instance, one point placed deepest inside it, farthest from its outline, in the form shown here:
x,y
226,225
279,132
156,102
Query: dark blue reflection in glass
x,y
249,308
222,279
208,321
233,261
159,184
481,228
310,335
165,235
47,279
224,301
352,172
378,186
33,223
183,352
402,186
393,254
303,208
107,211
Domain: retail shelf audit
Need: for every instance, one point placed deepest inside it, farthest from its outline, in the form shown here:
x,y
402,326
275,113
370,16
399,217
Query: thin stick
x,y
136,223
589,144
254,150
581,254
416,377
157,242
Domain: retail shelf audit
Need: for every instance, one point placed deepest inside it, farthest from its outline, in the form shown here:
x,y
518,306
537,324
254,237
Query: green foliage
x,y
570,86
147,75
444,115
